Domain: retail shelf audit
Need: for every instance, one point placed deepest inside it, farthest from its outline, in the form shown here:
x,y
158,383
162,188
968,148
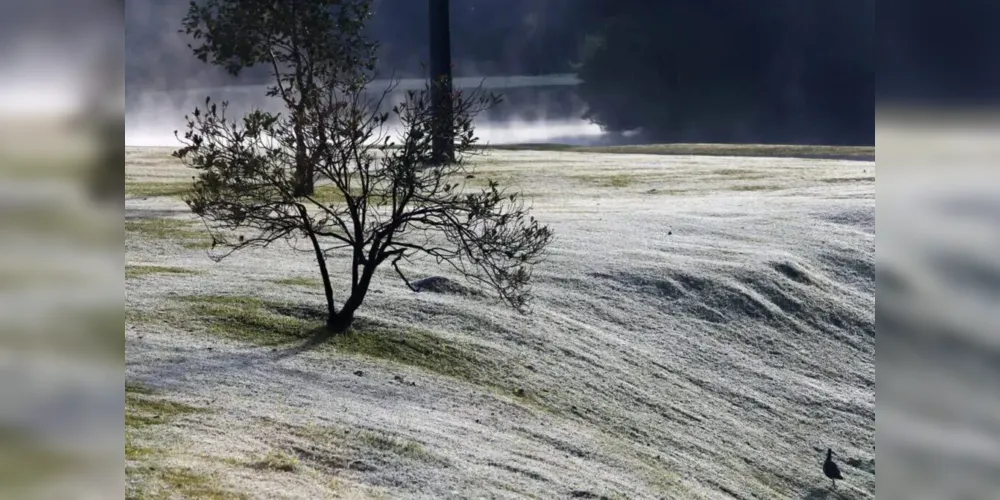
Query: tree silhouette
x,y
380,194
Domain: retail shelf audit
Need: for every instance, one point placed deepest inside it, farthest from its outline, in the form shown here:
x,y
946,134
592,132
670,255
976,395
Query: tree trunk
x,y
443,140
331,308
303,169
340,322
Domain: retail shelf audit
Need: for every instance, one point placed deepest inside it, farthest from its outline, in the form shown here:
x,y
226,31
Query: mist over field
x,y
803,75
164,82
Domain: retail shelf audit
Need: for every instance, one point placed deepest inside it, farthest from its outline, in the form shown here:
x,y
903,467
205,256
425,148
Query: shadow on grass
x,y
374,339
293,329
289,330
247,319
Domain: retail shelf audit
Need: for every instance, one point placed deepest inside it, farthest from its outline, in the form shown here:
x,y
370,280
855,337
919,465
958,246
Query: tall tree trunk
x,y
303,166
443,141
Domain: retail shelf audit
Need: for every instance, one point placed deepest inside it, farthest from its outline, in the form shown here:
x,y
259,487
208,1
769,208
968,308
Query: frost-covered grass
x,y
704,327
762,150
147,476
142,410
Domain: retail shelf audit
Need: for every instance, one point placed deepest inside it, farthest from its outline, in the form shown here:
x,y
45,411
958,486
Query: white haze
x,y
511,132
152,117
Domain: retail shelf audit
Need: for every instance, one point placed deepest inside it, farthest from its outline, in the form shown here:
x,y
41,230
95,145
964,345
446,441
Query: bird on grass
x,y
830,468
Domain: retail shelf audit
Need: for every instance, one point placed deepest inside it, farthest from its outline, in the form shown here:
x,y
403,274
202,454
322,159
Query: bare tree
x,y
381,196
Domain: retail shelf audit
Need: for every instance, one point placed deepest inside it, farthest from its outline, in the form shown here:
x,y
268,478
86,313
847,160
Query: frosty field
x,y
704,327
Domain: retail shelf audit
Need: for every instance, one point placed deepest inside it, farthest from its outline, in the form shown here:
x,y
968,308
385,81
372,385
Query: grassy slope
x,y
694,313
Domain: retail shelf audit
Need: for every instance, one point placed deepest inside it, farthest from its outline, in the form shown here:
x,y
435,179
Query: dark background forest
x,y
780,71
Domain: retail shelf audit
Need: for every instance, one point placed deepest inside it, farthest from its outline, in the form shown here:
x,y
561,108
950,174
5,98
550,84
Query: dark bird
x,y
830,468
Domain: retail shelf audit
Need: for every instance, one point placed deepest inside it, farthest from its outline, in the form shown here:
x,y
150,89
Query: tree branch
x,y
401,275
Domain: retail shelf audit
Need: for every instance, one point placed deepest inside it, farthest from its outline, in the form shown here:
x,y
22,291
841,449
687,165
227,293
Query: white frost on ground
x,y
704,328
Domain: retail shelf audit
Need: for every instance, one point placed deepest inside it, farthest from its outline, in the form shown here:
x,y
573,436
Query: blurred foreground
x,y
938,308
60,309
61,257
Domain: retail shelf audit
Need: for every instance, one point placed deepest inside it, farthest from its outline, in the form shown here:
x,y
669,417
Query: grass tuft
x,y
481,180
153,189
137,271
190,484
298,281
329,194
133,451
608,181
169,229
136,388
620,181
384,442
318,434
846,180
136,317
276,461
143,411
743,174
339,438
755,187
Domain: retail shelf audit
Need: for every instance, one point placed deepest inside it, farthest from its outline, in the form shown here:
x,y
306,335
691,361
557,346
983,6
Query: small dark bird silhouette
x,y
830,468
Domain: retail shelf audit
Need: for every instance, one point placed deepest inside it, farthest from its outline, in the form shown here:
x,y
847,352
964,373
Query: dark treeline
x,y
489,37
783,71
939,53
680,70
